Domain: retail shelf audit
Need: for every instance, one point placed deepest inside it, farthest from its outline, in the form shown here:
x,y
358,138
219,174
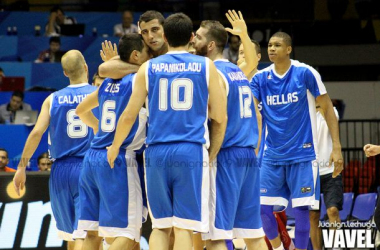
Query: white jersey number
x,y
75,127
175,102
108,116
245,103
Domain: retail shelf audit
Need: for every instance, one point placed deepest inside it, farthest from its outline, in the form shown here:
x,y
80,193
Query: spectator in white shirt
x,y
126,26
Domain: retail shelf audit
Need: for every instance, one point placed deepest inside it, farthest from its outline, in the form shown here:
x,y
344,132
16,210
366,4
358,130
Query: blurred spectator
x,y
126,26
44,163
8,110
54,53
1,75
97,80
4,160
232,52
57,18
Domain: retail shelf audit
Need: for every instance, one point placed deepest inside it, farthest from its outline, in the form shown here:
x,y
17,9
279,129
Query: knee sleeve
x,y
269,222
302,227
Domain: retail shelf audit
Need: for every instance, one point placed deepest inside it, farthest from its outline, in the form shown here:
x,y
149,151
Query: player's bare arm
x,y
217,111
130,113
259,123
332,122
116,68
31,145
239,28
84,110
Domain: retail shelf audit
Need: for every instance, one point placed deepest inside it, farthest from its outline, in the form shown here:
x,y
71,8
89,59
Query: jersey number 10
x,y
175,102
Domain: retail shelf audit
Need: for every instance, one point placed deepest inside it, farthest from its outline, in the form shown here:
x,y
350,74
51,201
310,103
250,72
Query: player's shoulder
x,y
263,73
302,67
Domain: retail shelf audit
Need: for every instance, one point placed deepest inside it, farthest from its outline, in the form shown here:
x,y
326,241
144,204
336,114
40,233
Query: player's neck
x,y
180,48
162,51
282,67
215,56
78,80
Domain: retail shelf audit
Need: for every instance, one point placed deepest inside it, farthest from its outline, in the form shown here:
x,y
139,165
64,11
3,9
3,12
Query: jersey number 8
x,y
75,127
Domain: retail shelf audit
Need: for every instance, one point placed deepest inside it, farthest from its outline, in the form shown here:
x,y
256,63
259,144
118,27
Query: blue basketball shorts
x,y
235,195
64,196
177,182
297,181
111,199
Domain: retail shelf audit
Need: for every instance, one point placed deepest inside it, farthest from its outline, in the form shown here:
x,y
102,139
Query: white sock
x,y
105,245
281,247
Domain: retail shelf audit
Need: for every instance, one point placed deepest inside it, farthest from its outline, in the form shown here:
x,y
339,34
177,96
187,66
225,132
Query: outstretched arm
x,y
239,28
31,145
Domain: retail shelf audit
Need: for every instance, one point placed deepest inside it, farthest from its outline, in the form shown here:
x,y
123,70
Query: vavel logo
x,y
348,238
36,211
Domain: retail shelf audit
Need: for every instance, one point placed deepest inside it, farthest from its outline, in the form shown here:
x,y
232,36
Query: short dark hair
x,y
287,39
1,69
216,32
149,15
231,36
43,155
128,43
178,29
257,46
3,149
56,8
18,93
55,39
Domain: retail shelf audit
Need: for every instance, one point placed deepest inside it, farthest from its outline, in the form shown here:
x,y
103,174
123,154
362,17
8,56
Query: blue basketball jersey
x,y
113,97
242,129
177,85
289,111
68,135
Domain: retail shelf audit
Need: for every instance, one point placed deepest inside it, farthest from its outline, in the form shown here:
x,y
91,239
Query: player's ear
x,y
134,56
211,45
259,56
166,40
288,50
64,72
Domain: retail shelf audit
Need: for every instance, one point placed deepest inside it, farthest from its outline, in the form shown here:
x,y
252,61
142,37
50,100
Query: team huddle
x,y
196,117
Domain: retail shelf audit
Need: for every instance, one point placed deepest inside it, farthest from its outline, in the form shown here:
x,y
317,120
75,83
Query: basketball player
x,y
69,140
241,58
288,90
235,181
183,91
151,27
101,185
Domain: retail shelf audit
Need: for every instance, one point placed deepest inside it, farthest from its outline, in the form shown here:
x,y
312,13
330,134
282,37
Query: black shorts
x,y
332,190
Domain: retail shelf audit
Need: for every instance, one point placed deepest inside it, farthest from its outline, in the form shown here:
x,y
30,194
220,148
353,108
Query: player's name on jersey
x,y
237,76
68,99
176,67
282,99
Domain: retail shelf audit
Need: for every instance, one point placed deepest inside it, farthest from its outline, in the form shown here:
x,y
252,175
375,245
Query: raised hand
x,y
107,51
239,26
